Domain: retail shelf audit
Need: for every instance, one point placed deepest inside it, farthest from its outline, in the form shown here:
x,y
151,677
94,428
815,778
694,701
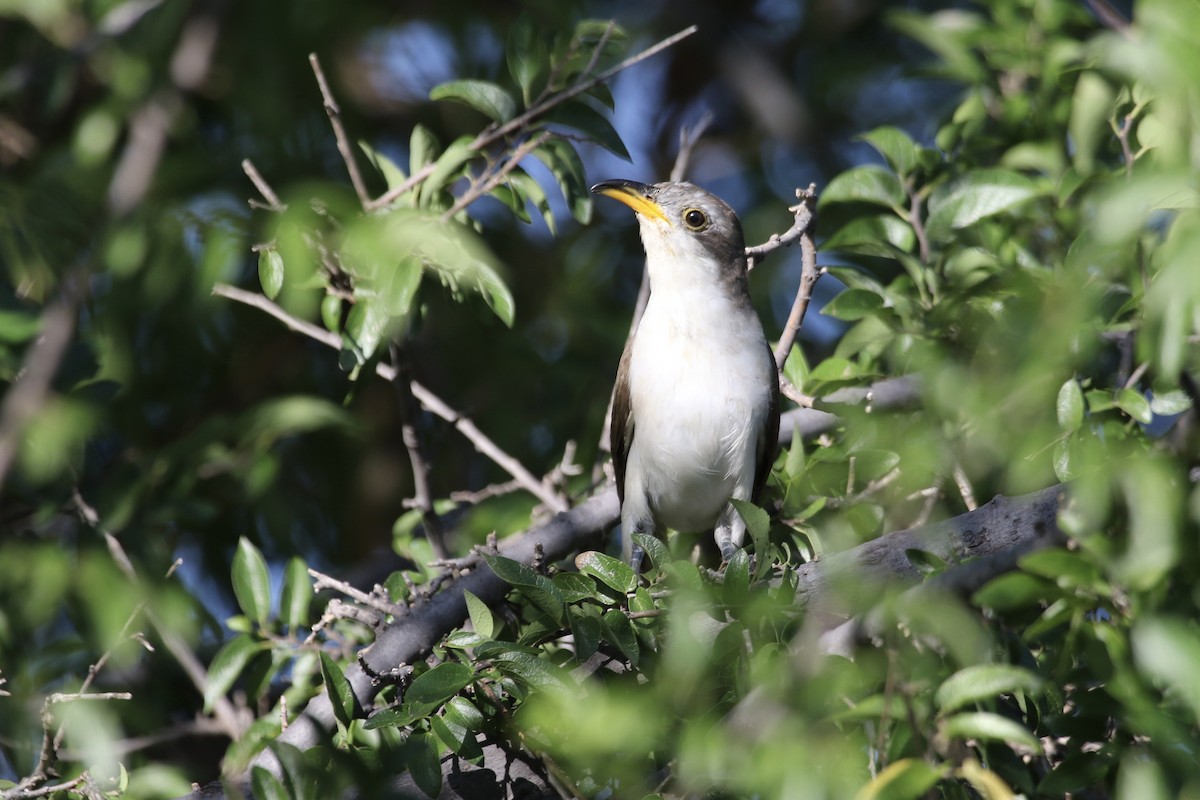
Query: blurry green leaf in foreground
x,y
381,249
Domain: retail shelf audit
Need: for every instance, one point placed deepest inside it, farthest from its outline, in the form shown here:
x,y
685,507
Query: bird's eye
x,y
695,219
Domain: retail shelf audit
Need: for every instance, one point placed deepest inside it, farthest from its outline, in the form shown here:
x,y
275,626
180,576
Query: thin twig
x,y
486,185
492,135
339,131
809,274
179,649
407,406
368,599
264,188
964,487
802,213
430,401
689,136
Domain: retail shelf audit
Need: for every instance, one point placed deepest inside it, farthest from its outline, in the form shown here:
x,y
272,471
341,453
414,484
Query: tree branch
x,y
339,131
407,405
492,135
428,399
805,213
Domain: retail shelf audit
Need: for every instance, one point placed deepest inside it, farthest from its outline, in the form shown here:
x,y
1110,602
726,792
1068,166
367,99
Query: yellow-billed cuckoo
x,y
696,405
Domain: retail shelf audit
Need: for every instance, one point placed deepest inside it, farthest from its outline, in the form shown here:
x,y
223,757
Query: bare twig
x,y
407,406
427,399
179,649
339,131
689,136
369,599
493,135
803,214
809,274
964,487
497,177
264,188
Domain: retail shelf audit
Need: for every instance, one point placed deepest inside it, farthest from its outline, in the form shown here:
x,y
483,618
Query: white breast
x,y
699,387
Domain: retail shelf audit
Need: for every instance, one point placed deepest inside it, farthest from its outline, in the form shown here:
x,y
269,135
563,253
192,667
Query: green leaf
x,y
618,630
906,779
18,326
296,595
592,124
227,665
982,682
393,176
481,615
1069,406
449,166
508,195
530,190
1135,405
464,713
610,571
526,54
587,631
866,184
736,586
439,684
880,235
1168,650
486,98
988,727
563,162
1068,569
574,587
366,328
422,148
975,196
654,549
251,583
853,304
1013,591
896,146
540,590
270,272
1167,404
1091,107
266,785
421,758
341,696
833,369
533,671
457,255
758,525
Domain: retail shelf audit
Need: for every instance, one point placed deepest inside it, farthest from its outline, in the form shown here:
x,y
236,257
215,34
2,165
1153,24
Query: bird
x,y
695,414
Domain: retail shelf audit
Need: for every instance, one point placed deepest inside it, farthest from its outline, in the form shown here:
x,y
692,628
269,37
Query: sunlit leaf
x,y
296,595
251,583
338,689
480,614
975,196
486,98
989,727
227,666
608,570
1069,406
981,682
439,684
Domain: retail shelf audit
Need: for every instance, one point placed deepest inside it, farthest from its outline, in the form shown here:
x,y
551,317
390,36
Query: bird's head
x,y
684,229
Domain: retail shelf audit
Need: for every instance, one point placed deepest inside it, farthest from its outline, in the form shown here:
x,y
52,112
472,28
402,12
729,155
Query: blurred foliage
x,y
1009,211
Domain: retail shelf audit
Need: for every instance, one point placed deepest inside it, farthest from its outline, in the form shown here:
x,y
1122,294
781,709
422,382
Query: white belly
x,y
700,396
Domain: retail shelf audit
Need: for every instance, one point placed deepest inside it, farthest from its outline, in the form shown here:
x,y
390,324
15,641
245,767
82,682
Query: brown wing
x,y
768,440
620,431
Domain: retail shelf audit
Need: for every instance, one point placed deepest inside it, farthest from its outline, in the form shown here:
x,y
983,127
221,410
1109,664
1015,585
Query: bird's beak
x,y
633,194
